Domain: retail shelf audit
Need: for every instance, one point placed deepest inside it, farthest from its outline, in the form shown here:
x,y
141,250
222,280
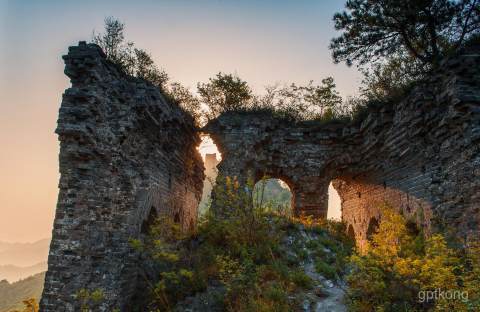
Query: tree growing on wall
x,y
426,29
133,61
401,40
113,43
303,102
389,80
224,92
145,68
187,100
228,92
139,63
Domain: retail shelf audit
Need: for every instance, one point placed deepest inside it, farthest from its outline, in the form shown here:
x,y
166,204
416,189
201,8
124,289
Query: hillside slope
x,y
12,295
13,273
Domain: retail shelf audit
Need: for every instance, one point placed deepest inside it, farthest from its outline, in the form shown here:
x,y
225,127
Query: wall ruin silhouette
x,y
126,155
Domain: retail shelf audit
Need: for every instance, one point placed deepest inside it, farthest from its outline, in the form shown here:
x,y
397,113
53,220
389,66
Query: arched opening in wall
x,y
273,195
149,221
351,232
211,158
372,228
334,211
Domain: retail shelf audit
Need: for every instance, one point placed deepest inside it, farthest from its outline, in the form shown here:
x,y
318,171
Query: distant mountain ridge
x,y
13,273
4,245
24,254
20,260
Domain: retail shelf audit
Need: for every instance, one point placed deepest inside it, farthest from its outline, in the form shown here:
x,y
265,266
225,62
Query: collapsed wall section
x,y
127,154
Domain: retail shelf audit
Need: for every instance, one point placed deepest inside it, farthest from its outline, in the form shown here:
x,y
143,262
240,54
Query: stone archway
x,y
351,232
372,228
309,194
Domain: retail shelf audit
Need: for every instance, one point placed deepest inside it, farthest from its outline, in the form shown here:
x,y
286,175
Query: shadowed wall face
x,y
126,155
420,156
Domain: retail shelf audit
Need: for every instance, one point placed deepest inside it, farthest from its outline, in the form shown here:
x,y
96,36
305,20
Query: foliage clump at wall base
x,y
402,271
237,259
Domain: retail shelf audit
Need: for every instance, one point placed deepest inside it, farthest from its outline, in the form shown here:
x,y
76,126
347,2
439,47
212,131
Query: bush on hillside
x,y
401,271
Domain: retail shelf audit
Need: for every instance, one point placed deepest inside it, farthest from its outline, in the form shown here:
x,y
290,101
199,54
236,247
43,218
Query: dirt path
x,y
326,295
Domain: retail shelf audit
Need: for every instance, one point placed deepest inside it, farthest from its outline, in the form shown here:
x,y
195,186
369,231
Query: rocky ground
x,y
326,295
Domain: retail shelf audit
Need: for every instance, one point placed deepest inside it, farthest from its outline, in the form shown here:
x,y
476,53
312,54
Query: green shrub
x,y
301,279
326,270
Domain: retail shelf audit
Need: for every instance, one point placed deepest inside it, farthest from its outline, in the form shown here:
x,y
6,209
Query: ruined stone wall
x,y
421,155
126,155
257,145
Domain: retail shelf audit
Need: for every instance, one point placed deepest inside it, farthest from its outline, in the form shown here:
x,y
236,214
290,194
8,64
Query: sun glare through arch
x,y
211,158
334,211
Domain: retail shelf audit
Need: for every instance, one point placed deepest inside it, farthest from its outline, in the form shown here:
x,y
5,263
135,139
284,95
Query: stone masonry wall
x,y
258,145
421,155
126,155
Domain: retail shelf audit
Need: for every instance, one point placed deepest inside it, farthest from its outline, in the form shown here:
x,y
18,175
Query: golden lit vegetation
x,y
402,271
31,305
22,295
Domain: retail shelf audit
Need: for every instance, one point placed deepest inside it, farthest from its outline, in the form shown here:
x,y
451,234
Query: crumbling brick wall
x,y
420,155
126,155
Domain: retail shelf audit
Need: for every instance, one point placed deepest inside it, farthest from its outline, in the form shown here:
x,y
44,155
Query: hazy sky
x,y
262,41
